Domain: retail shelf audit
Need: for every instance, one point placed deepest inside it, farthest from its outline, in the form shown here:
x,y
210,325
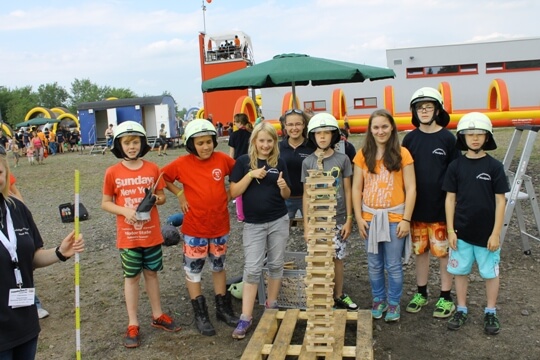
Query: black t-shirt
x,y
19,325
475,183
293,158
262,199
239,140
432,153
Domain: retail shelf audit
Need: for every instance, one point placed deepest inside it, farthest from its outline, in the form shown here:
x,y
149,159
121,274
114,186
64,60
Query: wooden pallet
x,y
272,337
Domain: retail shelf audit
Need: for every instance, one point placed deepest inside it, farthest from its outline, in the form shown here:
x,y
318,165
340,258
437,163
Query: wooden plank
x,y
284,335
364,335
340,321
264,333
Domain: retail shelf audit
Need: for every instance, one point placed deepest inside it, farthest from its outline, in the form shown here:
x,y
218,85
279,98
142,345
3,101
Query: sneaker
x,y
491,324
417,302
165,322
273,305
345,302
457,321
444,308
132,339
42,313
242,328
393,313
378,308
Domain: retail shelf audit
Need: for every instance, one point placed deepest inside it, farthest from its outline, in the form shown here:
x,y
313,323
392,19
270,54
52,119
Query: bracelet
x,y
179,193
350,216
449,231
249,173
59,255
403,219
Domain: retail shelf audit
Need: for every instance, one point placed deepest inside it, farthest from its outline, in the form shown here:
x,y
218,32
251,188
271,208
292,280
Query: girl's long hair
x,y
252,150
392,151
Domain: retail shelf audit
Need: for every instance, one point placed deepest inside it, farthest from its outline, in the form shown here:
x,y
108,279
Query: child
x,y
433,149
15,151
324,133
205,224
127,190
383,193
293,149
261,178
30,153
475,204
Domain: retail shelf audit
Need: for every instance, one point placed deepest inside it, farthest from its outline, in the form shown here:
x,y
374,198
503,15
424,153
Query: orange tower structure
x,y
220,55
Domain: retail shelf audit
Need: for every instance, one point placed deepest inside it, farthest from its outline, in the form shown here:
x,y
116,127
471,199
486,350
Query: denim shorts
x,y
461,260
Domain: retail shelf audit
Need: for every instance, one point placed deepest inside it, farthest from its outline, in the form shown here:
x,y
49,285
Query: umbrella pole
x,y
293,95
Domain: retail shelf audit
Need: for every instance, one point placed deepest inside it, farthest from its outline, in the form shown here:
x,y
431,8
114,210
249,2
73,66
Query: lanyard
x,y
10,243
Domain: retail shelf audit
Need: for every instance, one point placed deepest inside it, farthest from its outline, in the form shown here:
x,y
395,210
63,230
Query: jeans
x,y
293,205
389,259
26,351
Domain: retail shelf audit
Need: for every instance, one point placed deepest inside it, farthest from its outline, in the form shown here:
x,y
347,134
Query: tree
x,y
85,91
22,100
120,93
52,95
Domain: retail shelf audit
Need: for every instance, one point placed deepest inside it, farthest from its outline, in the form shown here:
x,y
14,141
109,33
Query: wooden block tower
x,y
320,261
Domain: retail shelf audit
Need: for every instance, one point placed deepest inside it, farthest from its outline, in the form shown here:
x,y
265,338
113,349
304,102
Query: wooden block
x,y
364,335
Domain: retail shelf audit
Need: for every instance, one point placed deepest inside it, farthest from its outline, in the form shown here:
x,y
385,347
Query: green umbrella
x,y
37,122
296,69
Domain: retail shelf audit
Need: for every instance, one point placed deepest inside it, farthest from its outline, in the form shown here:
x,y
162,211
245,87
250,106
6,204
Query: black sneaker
x,y
345,302
457,321
491,324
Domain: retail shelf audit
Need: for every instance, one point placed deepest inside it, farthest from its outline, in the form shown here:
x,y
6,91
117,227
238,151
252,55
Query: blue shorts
x,y
136,259
460,261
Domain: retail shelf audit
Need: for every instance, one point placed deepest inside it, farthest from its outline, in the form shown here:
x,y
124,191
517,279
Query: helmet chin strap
x,y
426,123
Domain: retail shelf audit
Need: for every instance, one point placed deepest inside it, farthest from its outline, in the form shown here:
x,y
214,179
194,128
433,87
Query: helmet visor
x,y
324,128
473,132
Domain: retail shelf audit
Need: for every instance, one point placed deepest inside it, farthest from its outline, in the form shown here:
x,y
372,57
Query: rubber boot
x,y
224,311
202,320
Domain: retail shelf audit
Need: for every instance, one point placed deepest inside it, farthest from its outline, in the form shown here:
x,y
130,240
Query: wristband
x,y
350,216
59,255
449,231
179,193
249,173
403,219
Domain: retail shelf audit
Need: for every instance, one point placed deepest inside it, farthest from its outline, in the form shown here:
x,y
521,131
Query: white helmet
x,y
196,128
324,121
475,122
129,128
430,94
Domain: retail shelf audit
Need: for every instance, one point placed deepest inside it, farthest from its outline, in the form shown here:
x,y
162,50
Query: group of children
x,y
421,196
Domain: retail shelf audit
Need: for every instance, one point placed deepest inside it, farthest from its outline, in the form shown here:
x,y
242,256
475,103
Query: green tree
x,y
22,100
52,95
120,93
85,91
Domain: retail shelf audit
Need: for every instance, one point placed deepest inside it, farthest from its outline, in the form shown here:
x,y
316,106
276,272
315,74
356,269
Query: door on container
x,y
111,119
162,117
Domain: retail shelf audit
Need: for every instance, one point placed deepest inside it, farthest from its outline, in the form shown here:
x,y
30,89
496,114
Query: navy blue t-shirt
x,y
262,199
432,153
293,159
475,183
239,140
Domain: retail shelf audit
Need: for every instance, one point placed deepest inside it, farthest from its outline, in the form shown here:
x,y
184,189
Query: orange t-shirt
x,y
127,186
204,188
384,189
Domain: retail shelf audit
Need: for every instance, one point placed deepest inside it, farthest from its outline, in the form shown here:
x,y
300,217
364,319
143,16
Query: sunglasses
x,y
294,111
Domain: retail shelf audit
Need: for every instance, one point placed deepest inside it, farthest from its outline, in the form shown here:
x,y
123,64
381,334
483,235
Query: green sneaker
x,y
345,302
457,321
444,308
491,324
378,308
416,303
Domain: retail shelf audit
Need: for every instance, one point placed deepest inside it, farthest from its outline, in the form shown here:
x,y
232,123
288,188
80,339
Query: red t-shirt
x,y
127,186
204,188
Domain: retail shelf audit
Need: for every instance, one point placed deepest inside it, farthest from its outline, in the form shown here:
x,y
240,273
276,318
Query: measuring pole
x,y
77,271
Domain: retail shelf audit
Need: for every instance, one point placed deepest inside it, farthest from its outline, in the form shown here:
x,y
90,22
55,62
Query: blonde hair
x,y
6,190
252,150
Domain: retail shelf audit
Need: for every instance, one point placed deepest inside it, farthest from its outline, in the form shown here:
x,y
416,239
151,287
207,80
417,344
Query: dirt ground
x,y
104,318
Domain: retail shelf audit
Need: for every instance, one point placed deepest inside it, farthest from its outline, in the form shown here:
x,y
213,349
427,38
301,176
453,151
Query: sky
x,y
151,46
